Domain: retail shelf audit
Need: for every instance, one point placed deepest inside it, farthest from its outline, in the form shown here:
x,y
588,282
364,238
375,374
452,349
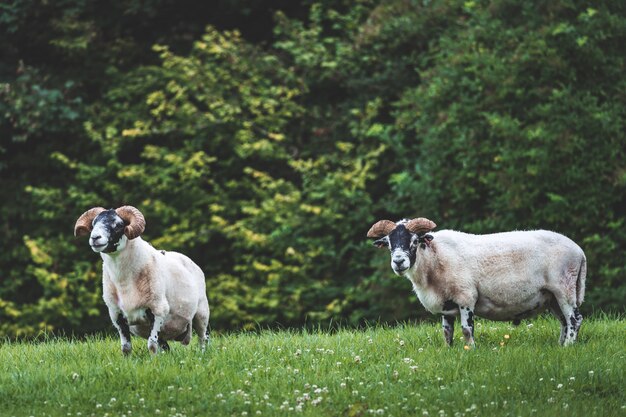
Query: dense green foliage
x,y
266,155
398,371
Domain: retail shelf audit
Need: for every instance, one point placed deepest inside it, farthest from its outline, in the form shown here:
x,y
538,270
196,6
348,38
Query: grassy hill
x,y
388,371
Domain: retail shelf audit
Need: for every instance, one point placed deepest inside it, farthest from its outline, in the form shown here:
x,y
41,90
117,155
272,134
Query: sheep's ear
x,y
381,228
83,224
420,225
381,243
134,220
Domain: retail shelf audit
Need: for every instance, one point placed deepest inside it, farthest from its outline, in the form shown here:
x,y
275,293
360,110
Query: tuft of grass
x,y
390,371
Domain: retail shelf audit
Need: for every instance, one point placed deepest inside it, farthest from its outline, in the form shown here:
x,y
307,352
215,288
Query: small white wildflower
x,y
258,412
370,341
357,359
298,352
572,378
559,386
590,372
342,385
407,360
244,413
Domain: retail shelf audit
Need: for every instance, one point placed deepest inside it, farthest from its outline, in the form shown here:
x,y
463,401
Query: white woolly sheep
x,y
154,294
502,276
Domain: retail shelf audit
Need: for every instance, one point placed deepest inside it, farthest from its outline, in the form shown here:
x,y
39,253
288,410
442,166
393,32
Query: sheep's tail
x,y
580,281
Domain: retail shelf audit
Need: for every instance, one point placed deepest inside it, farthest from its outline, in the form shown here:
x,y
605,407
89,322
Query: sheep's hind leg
x,y
448,328
121,324
163,345
571,319
467,325
201,325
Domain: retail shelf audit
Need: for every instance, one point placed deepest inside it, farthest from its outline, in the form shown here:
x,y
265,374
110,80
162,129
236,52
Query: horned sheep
x,y
155,294
502,276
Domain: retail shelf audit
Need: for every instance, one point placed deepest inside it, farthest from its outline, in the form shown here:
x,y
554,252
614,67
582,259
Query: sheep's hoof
x,y
153,347
126,349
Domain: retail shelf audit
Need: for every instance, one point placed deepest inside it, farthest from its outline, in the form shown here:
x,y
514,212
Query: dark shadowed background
x,y
263,138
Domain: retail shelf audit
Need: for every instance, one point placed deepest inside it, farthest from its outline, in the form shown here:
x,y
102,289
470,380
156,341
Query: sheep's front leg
x,y
121,324
156,319
467,325
448,328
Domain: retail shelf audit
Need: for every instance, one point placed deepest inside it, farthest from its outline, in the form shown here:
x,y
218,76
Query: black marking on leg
x,y
470,321
150,316
516,322
122,322
449,305
151,320
448,329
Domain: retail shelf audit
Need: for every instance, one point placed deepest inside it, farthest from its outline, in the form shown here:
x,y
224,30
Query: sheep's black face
x,y
403,246
107,233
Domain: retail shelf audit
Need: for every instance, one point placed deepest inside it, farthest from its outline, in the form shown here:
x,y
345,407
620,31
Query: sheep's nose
x,y
398,261
95,237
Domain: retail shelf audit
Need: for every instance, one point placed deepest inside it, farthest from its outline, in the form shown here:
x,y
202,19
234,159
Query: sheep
x,y
502,276
155,294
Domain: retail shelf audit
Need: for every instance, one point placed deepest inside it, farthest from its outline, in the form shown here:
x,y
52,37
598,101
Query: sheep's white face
x,y
107,234
403,246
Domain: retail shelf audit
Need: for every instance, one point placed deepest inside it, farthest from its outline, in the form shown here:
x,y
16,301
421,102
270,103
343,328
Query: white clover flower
x,y
357,359
559,386
342,385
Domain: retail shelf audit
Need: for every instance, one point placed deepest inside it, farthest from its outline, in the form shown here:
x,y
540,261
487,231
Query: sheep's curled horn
x,y
83,224
135,221
384,227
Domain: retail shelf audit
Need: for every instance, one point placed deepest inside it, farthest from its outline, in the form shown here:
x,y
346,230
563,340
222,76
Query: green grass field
x,y
389,371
